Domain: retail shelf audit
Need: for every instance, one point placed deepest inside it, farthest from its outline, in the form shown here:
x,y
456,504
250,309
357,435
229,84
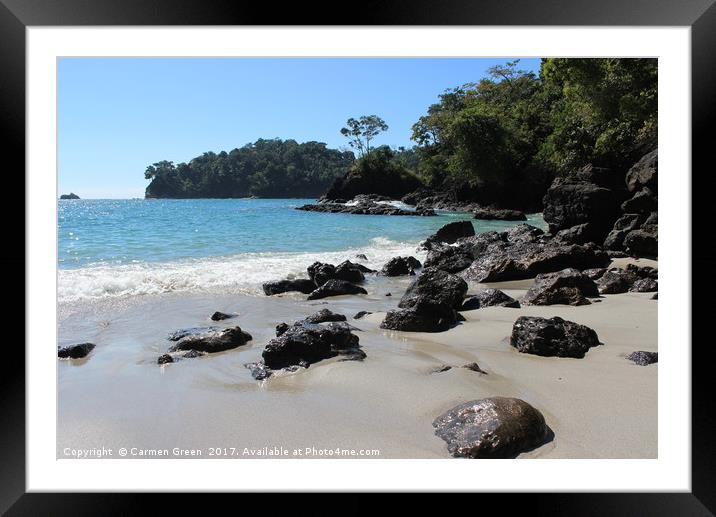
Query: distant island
x,y
71,195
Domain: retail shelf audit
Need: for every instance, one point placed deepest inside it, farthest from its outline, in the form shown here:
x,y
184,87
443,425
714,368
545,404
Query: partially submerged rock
x,y
398,266
552,337
219,316
360,314
495,427
489,298
335,287
302,285
212,341
75,351
451,232
567,287
320,272
499,214
324,315
474,367
643,358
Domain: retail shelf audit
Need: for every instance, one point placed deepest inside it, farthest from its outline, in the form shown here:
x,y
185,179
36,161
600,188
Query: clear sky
x,y
118,115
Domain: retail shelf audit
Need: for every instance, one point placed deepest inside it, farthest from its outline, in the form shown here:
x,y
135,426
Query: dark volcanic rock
x,y
442,368
324,315
306,343
71,195
595,273
645,285
398,266
523,233
364,208
301,285
76,351
568,287
193,331
437,287
351,272
643,358
495,427
451,232
164,359
642,243
552,337
655,297
218,316
361,256
212,341
281,328
499,214
616,281
629,222
452,259
423,316
258,370
644,173
320,272
489,298
389,183
335,287
580,234
474,367
643,202
615,240
360,314
643,271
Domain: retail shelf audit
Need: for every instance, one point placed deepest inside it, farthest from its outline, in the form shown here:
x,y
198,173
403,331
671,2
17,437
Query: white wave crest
x,y
242,273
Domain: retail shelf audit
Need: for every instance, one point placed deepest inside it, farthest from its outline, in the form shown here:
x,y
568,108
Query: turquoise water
x,y
136,246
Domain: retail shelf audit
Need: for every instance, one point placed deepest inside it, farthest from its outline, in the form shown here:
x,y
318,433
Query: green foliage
x,y
360,132
266,168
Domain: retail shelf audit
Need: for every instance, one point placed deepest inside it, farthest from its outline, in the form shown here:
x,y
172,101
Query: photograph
x,y
357,257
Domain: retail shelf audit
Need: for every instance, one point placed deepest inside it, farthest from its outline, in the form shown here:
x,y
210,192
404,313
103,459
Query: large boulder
x,y
335,287
580,234
398,266
75,351
437,287
305,343
499,214
212,341
495,427
423,316
645,285
449,258
552,337
302,285
644,173
323,316
642,243
321,272
643,202
616,280
567,287
489,298
451,232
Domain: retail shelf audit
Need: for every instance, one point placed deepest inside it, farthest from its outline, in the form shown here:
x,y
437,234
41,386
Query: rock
x,y
71,195
219,316
440,369
361,256
629,222
324,315
423,316
580,234
389,294
281,328
552,337
499,214
76,351
595,273
258,370
193,353
212,341
590,195
643,271
301,285
474,367
437,287
359,267
615,281
655,297
398,266
364,208
392,183
360,314
476,245
308,343
652,220
320,272
451,232
351,272
489,298
615,240
523,233
335,287
645,285
567,287
616,254
165,359
643,202
641,243
644,173
452,259
495,427
192,331
643,358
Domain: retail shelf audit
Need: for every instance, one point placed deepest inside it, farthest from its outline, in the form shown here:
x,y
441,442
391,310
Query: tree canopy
x,y
361,131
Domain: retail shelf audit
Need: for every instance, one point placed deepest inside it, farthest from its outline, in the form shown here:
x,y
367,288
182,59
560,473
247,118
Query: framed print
x,y
274,252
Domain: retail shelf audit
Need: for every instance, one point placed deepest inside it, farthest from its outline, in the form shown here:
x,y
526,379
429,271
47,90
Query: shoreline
x,y
119,396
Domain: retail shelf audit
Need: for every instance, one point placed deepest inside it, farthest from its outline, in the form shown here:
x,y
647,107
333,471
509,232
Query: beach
x,y
600,406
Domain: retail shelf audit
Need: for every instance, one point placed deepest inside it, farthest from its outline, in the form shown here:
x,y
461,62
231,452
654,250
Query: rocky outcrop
x,y
644,173
450,233
489,298
495,427
552,337
452,259
334,287
499,214
364,208
301,285
643,358
386,182
323,316
398,266
71,195
212,341
566,287
75,351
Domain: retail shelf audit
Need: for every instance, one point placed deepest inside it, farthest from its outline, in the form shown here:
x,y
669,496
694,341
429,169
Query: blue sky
x,y
118,115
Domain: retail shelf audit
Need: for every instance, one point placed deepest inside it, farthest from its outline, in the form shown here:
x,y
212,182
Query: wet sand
x,y
602,406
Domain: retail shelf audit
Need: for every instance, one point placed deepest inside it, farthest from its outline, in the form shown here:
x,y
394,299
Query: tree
x,y
360,132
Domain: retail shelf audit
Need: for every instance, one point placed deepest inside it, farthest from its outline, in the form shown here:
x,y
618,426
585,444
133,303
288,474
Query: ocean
x,y
109,248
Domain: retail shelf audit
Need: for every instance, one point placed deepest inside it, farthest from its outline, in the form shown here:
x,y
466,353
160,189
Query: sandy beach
x,y
601,406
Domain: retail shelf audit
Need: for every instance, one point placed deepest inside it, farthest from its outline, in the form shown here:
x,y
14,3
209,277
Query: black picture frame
x,y
700,15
